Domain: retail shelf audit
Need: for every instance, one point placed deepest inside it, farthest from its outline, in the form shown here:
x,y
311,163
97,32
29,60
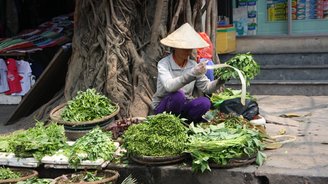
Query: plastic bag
x,y
206,52
234,106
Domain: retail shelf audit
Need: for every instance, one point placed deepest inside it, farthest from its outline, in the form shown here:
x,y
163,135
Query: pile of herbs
x,y
86,106
94,145
227,94
5,140
159,135
6,173
38,141
244,62
218,143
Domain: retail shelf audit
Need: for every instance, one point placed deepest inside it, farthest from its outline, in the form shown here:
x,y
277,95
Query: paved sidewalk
x,y
303,161
306,157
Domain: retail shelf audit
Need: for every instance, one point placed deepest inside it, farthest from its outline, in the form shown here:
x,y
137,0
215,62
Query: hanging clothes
x,y
13,77
3,76
25,71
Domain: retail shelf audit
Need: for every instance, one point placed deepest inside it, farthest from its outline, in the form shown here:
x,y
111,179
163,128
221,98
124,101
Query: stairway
x,y
288,74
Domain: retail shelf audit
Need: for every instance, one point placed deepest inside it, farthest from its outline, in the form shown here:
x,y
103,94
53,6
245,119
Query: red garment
x,y
206,52
13,77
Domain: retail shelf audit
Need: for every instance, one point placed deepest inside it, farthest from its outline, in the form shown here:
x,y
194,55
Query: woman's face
x,y
182,53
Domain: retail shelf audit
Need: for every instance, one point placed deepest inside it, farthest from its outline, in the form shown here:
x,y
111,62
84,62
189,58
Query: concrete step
x,y
288,74
284,87
293,72
285,59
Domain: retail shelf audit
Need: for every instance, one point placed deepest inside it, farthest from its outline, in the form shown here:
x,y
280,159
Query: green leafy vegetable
x,y
5,140
95,144
92,176
6,173
87,105
260,158
227,94
219,144
244,62
159,135
38,141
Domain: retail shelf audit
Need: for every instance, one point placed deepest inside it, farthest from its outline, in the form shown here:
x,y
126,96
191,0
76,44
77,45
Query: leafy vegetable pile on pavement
x,y
244,62
38,141
5,140
92,146
159,135
218,143
87,105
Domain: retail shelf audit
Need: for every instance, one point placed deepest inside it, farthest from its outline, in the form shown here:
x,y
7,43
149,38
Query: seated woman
x,y
179,76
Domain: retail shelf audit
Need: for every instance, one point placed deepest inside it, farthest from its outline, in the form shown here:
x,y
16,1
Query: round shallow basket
x,y
110,176
158,160
25,174
72,135
235,162
55,115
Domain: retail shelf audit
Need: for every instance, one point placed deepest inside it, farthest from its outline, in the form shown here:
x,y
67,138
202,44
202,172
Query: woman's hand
x,y
199,69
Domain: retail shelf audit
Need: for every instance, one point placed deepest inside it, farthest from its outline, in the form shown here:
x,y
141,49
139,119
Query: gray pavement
x,y
304,160
307,156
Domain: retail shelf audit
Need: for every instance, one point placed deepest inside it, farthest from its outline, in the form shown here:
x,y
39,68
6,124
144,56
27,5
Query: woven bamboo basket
x,y
235,162
55,115
158,160
25,174
109,176
75,130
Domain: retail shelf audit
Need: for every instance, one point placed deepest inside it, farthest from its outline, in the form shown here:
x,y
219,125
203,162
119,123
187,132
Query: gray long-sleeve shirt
x,y
171,77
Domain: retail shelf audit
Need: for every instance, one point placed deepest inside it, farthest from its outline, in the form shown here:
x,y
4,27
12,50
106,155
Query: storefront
x,y
280,17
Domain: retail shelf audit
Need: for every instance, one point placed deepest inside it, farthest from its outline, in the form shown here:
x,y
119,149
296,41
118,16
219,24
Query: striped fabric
x,y
52,33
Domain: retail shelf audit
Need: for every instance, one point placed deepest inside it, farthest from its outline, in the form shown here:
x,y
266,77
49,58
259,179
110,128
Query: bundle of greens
x,y
227,94
5,140
6,173
94,145
159,135
244,62
38,141
219,143
86,106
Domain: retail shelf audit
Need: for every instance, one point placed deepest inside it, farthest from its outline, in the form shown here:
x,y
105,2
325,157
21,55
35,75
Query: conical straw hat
x,y
185,37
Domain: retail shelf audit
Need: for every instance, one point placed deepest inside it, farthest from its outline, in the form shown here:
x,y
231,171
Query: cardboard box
x,y
225,40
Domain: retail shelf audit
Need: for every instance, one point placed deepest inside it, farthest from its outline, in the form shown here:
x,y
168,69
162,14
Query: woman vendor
x,y
179,77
